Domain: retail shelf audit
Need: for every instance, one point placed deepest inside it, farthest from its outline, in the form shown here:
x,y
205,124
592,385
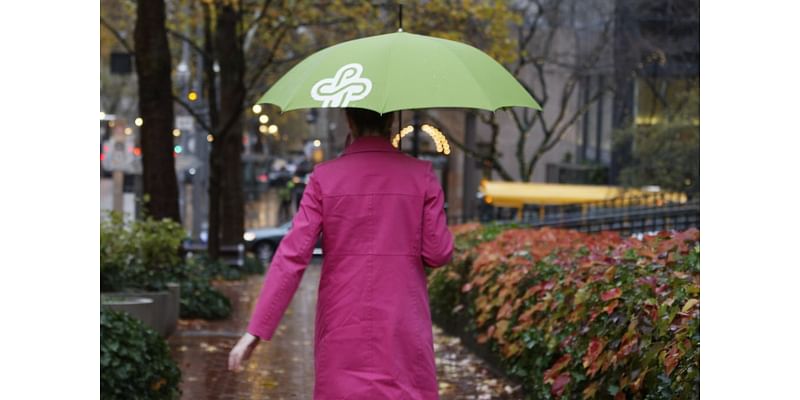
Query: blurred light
x,y
317,143
263,178
192,95
210,138
256,109
176,132
102,115
138,121
263,119
178,149
105,148
111,124
317,156
137,151
102,156
442,145
192,171
128,130
262,129
403,132
249,236
296,179
273,129
488,199
174,154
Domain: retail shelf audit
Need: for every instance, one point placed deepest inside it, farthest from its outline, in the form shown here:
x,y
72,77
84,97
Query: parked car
x,y
264,241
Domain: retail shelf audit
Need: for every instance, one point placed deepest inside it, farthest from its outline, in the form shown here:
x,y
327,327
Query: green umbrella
x,y
398,71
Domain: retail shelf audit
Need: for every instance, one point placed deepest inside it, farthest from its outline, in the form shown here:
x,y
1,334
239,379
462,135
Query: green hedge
x,y
575,315
135,362
144,255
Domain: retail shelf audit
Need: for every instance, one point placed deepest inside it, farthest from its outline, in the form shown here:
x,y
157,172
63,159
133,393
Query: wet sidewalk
x,y
283,368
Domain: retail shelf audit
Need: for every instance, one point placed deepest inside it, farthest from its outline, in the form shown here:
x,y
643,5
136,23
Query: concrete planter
x,y
165,307
140,308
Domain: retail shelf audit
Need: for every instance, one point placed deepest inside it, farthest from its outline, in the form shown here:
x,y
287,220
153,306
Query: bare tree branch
x,y
250,31
200,120
116,34
189,41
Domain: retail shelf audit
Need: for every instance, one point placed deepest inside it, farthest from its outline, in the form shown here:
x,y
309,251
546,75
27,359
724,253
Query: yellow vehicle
x,y
519,194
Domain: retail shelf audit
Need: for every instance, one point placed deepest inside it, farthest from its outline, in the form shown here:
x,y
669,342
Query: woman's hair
x,y
370,122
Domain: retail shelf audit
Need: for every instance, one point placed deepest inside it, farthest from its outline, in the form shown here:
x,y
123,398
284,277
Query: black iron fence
x,y
629,215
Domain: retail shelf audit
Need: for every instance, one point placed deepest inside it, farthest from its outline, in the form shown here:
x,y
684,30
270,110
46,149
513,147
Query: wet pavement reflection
x,y
283,368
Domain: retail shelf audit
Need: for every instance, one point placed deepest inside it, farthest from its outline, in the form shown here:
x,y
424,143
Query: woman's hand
x,y
242,351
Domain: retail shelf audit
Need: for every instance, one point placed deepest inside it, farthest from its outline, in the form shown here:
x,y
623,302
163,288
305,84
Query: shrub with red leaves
x,y
579,315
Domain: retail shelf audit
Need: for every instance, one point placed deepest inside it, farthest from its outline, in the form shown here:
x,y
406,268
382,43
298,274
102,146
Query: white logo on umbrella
x,y
346,86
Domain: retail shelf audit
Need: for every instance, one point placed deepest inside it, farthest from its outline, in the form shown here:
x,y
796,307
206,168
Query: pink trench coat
x,y
382,220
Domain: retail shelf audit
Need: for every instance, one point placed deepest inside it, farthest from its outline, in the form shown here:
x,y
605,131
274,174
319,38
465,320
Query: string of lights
x,y
439,140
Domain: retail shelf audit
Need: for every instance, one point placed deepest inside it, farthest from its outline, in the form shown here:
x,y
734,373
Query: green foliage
x,y
575,315
144,254
139,254
135,362
200,300
216,269
252,265
666,153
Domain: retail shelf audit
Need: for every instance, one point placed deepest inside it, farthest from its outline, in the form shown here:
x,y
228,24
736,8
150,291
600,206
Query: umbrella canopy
x,y
398,71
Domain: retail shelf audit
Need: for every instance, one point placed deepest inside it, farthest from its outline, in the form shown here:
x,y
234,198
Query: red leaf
x,y
611,306
671,359
594,349
551,373
611,294
593,316
628,345
505,311
526,316
661,289
609,274
649,281
558,386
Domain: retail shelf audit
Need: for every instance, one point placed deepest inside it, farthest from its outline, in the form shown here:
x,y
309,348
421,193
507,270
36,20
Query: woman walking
x,y
381,213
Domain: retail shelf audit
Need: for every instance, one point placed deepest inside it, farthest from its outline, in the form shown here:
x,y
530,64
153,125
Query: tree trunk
x,y
155,107
232,90
214,160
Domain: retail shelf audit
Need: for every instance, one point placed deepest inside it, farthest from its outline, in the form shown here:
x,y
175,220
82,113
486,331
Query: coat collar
x,y
369,143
